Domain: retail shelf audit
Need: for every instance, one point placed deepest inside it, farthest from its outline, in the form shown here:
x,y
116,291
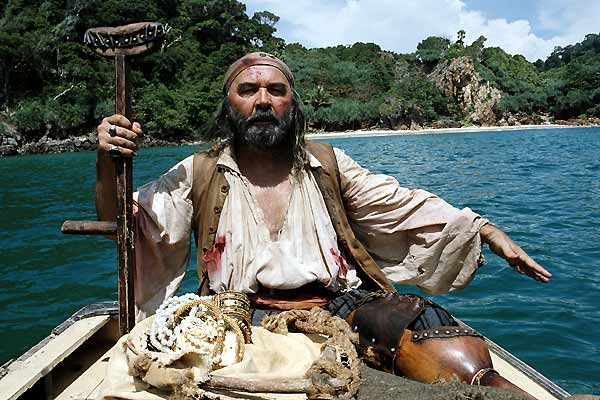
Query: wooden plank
x,y
22,374
517,377
87,385
520,373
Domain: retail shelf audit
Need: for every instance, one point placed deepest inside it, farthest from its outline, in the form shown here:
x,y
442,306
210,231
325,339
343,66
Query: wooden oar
x,y
121,43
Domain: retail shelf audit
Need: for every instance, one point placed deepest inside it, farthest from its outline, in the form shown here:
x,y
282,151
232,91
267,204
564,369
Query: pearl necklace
x,y
193,324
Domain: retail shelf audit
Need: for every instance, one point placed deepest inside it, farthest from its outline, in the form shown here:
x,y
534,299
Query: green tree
x,y
44,67
431,50
318,98
475,49
519,79
460,41
412,98
50,84
457,49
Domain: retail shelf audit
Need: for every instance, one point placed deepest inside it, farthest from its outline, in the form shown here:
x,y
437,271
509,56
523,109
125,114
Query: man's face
x,y
260,100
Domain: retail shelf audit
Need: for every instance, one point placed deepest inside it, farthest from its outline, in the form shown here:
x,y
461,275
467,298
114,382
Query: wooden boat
x,y
70,363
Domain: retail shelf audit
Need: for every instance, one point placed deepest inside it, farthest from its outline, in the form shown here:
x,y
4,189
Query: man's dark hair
x,y
221,130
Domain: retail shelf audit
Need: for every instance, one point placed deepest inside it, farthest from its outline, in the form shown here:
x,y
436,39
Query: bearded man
x,y
298,224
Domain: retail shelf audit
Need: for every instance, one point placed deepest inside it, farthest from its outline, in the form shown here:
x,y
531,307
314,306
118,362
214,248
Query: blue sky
x,y
513,10
529,27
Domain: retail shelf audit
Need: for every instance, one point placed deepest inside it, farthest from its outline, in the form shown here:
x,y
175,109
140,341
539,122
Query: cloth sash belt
x,y
302,298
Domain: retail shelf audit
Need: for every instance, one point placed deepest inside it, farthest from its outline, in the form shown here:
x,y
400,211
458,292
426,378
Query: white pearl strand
x,y
195,333
162,335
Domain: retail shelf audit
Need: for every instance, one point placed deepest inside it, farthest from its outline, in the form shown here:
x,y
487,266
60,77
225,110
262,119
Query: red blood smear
x,y
212,257
341,263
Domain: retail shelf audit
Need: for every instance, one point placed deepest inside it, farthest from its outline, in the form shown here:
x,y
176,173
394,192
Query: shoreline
x,y
437,131
87,142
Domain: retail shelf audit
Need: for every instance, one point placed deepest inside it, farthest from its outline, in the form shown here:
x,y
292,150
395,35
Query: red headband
x,y
252,59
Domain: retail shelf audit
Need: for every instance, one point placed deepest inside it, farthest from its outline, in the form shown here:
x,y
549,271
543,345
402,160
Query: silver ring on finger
x,y
112,131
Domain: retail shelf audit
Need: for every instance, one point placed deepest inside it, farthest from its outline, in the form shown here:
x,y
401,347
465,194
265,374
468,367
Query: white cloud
x,y
400,25
571,20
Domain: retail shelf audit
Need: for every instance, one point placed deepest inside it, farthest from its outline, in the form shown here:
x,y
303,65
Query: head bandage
x,y
253,59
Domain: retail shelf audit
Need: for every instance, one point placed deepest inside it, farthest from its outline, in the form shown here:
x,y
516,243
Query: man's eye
x,y
277,91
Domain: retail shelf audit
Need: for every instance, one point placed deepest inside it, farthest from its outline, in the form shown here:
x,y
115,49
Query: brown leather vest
x,y
210,189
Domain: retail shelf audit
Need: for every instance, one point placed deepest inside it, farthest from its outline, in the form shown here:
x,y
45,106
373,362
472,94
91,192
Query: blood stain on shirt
x,y
212,257
341,263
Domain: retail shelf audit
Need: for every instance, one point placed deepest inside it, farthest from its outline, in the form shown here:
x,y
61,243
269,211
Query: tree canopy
x,y
51,84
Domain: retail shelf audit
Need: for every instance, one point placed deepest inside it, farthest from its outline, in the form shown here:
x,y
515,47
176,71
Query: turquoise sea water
x,y
541,186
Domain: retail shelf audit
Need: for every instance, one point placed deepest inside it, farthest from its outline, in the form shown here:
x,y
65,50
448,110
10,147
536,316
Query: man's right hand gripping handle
x,y
116,134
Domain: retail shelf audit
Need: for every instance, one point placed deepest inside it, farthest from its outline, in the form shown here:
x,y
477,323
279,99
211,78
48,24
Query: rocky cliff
x,y
459,80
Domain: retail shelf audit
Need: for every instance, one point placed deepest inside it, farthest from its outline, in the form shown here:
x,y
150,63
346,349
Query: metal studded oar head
x,y
130,40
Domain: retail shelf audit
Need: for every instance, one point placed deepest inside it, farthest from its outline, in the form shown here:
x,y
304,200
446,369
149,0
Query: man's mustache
x,y
263,116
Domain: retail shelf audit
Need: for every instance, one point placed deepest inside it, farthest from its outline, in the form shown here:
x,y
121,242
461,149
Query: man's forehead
x,y
260,74
256,59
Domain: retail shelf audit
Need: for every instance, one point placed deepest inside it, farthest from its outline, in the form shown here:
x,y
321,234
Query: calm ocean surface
x,y
541,186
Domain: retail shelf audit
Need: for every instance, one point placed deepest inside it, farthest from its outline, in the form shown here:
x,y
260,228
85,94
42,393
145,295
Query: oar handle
x,y
89,228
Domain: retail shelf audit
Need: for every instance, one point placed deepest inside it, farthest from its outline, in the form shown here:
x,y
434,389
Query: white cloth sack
x,y
270,356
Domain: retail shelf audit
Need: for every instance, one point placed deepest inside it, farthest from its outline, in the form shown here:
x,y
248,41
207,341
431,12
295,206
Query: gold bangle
x,y
222,298
178,315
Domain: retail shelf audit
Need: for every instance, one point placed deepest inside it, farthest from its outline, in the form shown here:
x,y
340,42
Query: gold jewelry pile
x,y
235,304
215,327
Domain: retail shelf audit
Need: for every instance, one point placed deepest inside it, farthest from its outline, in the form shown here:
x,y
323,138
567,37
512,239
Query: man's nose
x,y
263,100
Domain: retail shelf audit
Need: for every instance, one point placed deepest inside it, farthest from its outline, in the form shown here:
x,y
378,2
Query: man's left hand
x,y
516,257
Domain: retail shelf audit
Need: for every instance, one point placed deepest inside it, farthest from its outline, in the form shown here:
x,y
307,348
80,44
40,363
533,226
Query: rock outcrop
x,y
12,143
459,80
9,140
446,123
51,145
578,121
395,114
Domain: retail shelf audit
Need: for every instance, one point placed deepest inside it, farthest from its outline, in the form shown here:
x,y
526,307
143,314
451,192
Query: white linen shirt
x,y
413,235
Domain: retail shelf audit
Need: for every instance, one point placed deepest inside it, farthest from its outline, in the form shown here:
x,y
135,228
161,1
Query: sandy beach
x,y
434,131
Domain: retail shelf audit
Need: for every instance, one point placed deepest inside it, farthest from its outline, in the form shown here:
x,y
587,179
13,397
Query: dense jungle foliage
x,y
51,84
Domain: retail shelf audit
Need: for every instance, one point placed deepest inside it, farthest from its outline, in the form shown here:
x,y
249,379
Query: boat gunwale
x,y
523,367
109,308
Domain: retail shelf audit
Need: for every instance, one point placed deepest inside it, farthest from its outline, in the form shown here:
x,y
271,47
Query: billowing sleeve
x,y
163,215
414,236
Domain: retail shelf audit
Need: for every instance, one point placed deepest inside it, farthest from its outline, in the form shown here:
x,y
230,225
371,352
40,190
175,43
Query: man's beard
x,y
261,136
